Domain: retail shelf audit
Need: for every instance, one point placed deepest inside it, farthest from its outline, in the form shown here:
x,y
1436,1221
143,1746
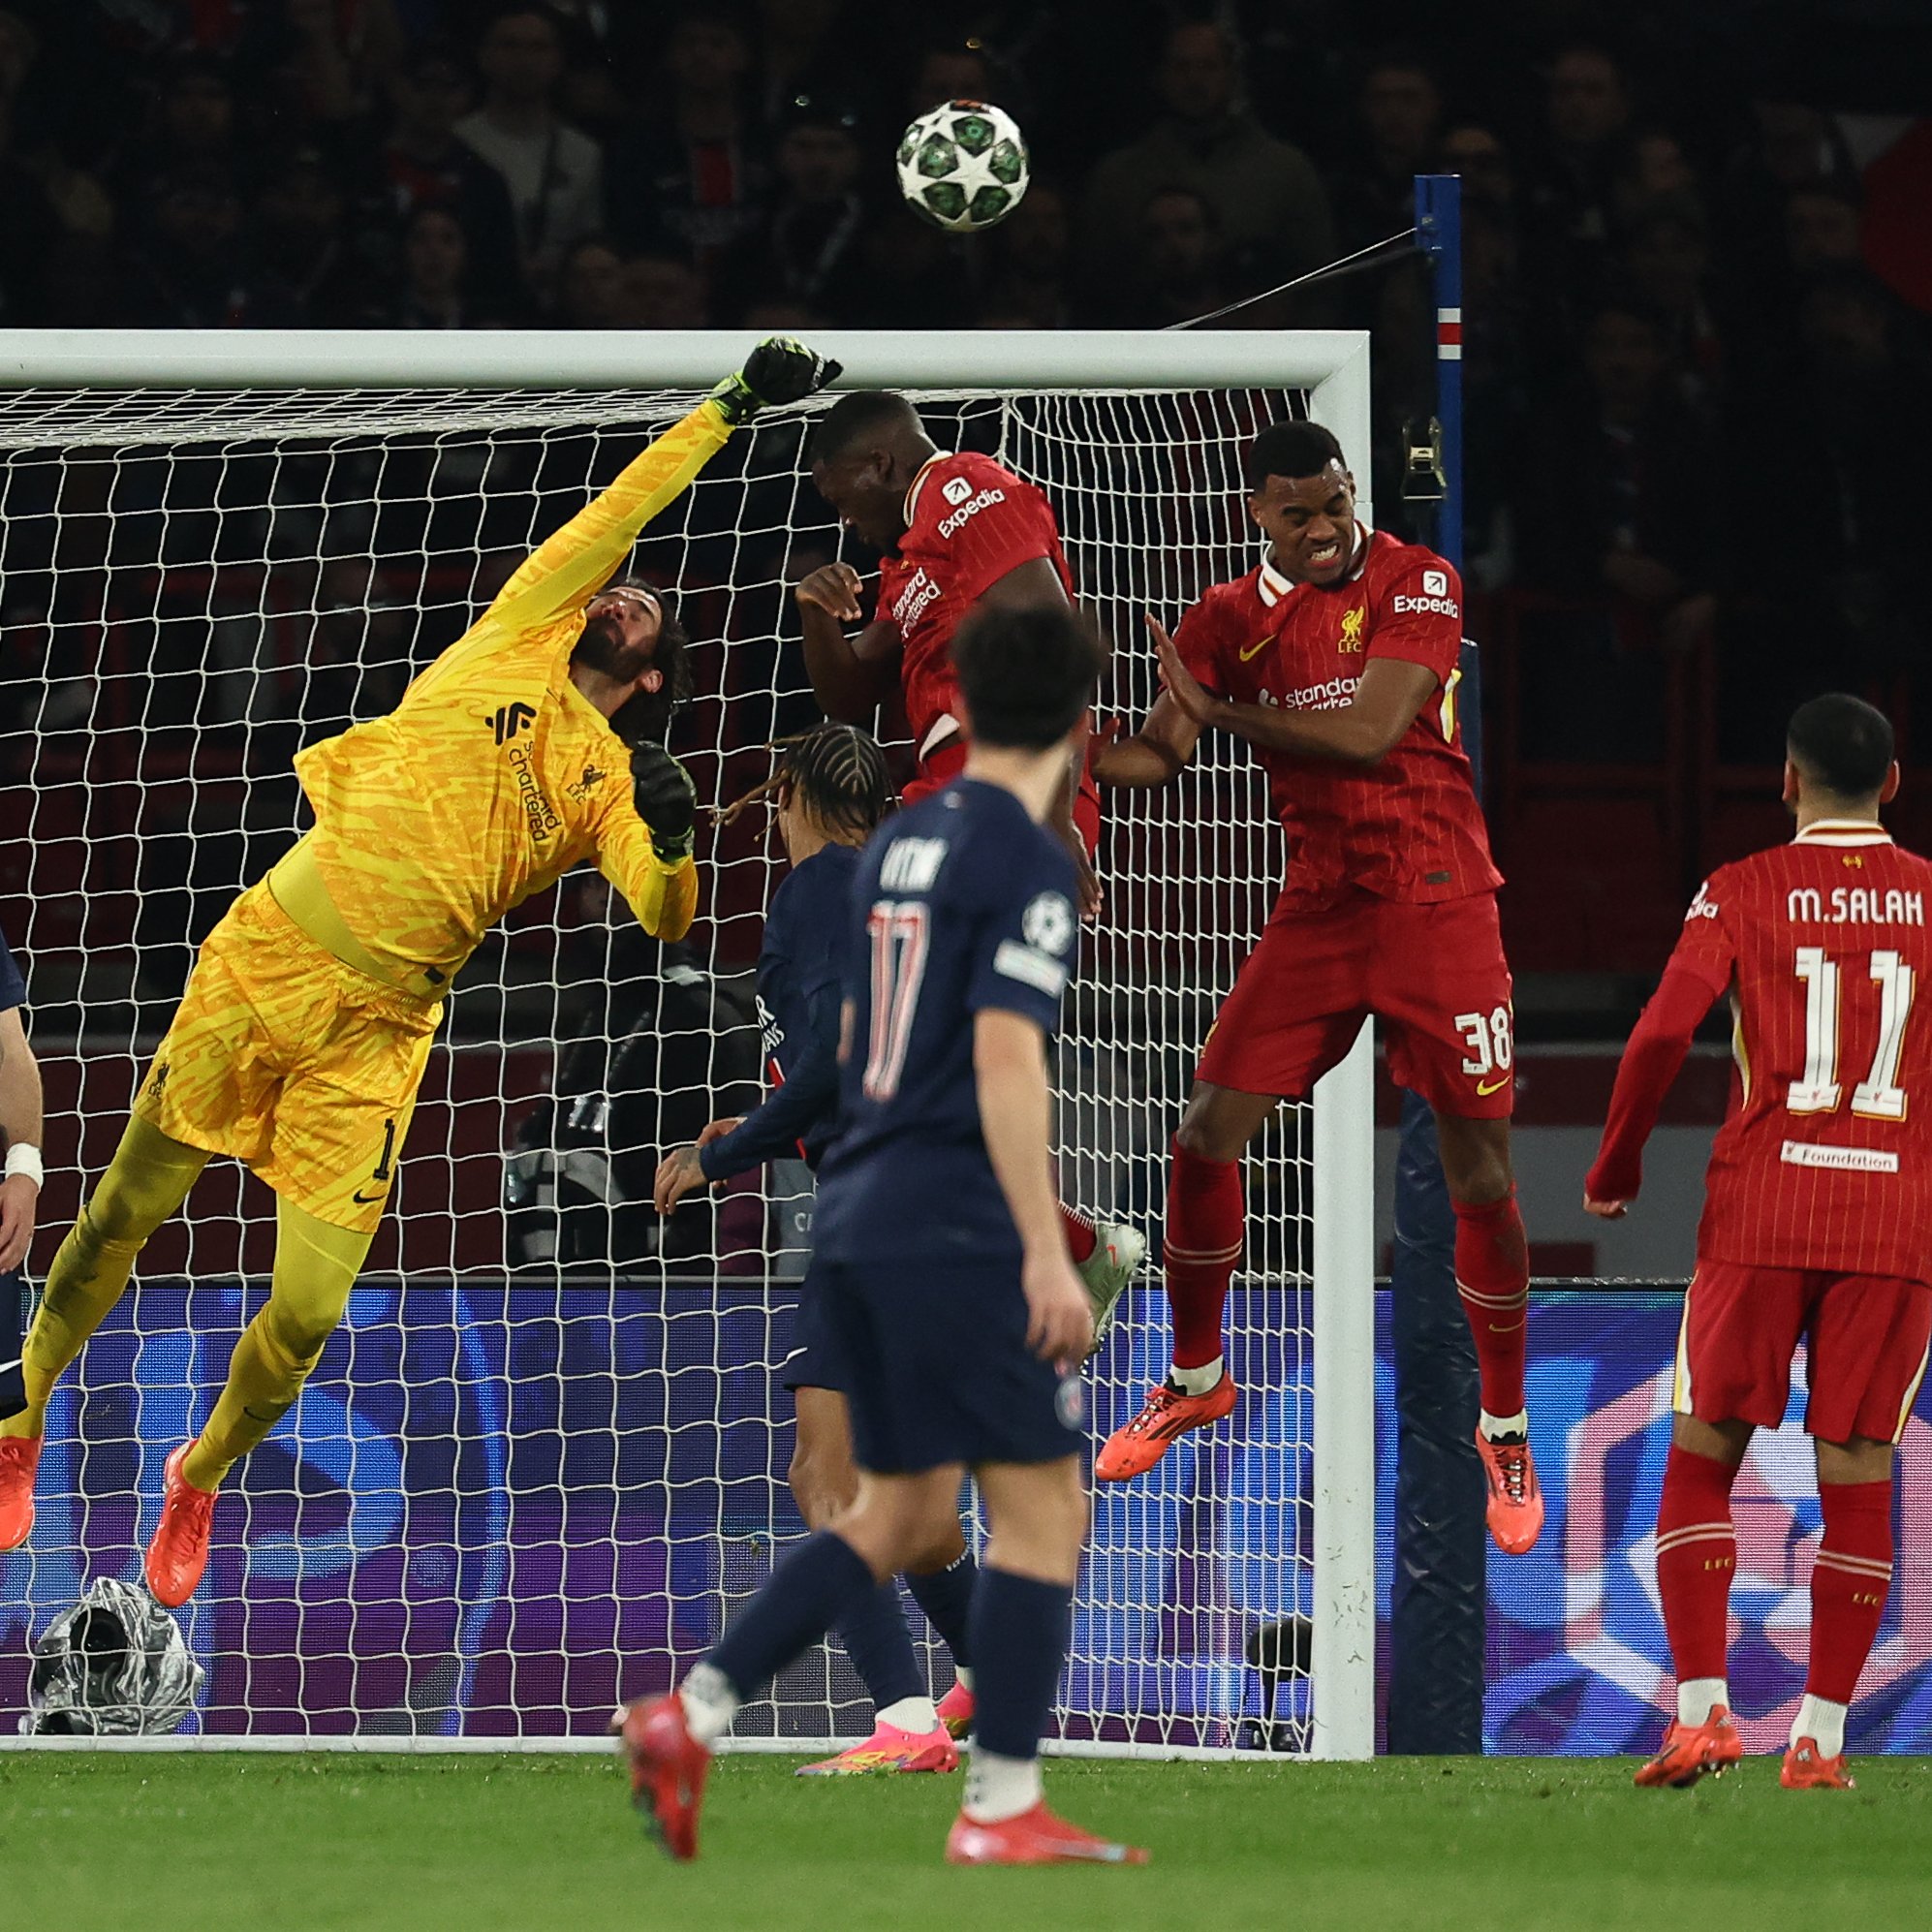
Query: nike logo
x,y
366,1199
1256,647
1482,1087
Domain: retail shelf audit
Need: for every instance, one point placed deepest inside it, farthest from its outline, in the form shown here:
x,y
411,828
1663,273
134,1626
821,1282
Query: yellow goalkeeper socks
x,y
316,1265
145,1182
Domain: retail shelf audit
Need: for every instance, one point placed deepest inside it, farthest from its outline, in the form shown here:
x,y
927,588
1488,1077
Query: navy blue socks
x,y
1019,1641
946,1596
815,1588
873,1632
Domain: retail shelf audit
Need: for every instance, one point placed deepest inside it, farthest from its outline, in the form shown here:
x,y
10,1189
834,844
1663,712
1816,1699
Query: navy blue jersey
x,y
12,987
961,903
798,994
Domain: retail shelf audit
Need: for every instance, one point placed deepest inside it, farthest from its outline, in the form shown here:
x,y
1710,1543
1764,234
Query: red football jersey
x,y
1824,1160
968,523
1408,828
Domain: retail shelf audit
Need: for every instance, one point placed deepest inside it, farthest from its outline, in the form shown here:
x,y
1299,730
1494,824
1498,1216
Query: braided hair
x,y
836,773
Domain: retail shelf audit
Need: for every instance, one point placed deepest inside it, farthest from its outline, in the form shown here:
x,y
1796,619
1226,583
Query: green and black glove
x,y
667,801
781,369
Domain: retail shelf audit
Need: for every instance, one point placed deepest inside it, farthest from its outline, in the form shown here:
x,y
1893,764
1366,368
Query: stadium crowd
x,y
1689,279
1697,272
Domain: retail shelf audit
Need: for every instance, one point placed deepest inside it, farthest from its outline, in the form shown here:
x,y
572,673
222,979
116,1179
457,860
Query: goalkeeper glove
x,y
667,801
781,369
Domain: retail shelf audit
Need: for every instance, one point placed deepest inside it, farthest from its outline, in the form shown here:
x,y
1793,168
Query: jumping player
x,y
959,533
955,1328
299,1048
831,792
1816,1210
1336,658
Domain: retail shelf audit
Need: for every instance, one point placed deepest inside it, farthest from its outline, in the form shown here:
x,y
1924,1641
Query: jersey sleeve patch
x,y
1031,967
1036,957
1419,617
1706,947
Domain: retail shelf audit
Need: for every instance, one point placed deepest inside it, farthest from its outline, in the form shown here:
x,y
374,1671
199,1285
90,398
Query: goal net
x,y
544,1456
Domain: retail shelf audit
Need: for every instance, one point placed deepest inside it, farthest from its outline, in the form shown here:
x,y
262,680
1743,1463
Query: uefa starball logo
x,y
1610,1621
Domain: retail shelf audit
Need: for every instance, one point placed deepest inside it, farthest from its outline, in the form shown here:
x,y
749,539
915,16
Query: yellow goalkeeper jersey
x,y
495,775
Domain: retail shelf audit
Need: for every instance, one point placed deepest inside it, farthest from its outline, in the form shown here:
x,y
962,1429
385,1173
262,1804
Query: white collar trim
x,y
918,481
1843,831
1269,582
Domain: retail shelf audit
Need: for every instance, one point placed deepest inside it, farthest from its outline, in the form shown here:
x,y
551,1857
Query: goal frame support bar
x,y
1331,365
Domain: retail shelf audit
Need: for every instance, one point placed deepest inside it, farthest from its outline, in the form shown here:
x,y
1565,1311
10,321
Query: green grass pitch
x,y
153,1843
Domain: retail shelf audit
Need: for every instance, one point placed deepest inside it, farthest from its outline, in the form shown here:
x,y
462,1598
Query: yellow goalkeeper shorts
x,y
299,1066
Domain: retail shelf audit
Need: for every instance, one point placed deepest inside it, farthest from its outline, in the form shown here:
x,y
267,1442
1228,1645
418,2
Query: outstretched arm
x,y
1651,1061
570,563
851,676
560,575
774,1128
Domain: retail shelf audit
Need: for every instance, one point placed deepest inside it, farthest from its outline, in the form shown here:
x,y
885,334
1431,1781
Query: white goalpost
x,y
544,1456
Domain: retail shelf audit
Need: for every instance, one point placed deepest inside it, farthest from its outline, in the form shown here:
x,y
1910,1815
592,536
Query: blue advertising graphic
x,y
1578,1664
500,1508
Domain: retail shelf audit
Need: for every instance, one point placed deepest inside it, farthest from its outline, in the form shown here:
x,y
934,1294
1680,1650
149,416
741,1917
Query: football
x,y
964,165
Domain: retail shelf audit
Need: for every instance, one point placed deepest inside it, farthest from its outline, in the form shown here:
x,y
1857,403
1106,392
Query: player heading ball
x,y
956,1329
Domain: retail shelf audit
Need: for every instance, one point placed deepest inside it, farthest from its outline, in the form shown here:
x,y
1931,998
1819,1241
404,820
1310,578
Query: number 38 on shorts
x,y
1490,1040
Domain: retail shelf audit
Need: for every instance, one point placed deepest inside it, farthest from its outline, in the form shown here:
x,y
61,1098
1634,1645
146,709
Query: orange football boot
x,y
1166,1414
1692,1751
1035,1837
178,1550
668,1771
1806,1769
19,1457
1515,1497
955,1710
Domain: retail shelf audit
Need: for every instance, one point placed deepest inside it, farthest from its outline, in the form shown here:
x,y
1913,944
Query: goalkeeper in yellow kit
x,y
299,1045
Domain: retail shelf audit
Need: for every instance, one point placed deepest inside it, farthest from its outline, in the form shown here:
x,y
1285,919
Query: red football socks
x,y
1492,1278
1205,1216
1080,1237
1849,1583
1697,1556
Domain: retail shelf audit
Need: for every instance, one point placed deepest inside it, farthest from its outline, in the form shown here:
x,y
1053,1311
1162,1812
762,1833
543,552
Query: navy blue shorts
x,y
937,1368
813,1362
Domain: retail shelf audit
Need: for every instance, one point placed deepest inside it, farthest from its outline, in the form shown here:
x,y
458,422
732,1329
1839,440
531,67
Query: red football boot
x,y
1166,1414
178,1551
1035,1837
1806,1769
1515,1497
668,1771
1692,1751
889,1748
19,1457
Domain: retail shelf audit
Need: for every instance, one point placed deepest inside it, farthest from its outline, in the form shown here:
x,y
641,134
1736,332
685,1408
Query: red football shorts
x,y
1866,1338
946,765
1434,975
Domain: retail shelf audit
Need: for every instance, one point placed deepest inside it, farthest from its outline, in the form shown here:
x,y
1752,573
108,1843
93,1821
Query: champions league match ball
x,y
964,165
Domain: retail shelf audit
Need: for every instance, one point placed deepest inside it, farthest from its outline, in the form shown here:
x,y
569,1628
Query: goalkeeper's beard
x,y
602,648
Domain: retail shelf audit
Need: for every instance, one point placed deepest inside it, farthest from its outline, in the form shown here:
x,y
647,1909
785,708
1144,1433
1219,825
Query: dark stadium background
x,y
1696,336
